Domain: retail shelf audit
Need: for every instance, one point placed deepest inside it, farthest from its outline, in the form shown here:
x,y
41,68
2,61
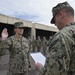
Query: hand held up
x,y
4,34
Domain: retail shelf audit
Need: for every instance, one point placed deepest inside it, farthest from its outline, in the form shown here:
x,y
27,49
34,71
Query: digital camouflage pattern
x,y
2,52
19,24
19,50
61,57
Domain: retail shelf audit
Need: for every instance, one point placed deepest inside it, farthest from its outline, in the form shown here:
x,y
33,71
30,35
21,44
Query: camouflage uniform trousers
x,y
38,49
19,74
25,73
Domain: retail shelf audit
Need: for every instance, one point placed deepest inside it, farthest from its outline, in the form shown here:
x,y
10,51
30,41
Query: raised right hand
x,y
4,34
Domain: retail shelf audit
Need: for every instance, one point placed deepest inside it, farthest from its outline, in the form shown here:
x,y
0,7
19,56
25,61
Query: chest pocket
x,y
16,46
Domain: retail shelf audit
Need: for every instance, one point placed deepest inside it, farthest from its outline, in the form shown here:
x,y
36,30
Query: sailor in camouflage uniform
x,y
61,57
39,43
34,44
19,49
30,44
44,46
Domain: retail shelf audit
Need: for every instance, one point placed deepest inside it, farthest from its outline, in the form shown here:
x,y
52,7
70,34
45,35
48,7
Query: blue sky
x,y
37,11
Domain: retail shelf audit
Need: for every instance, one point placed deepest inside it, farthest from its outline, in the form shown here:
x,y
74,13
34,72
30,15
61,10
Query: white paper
x,y
38,57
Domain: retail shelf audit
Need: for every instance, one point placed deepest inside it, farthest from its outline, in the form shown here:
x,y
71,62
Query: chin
x,y
21,34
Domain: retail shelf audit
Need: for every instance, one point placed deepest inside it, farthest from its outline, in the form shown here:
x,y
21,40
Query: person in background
x,y
39,44
61,53
18,49
50,37
34,44
30,44
44,45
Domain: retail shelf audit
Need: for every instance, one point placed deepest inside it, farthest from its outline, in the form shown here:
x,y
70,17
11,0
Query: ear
x,y
61,13
14,30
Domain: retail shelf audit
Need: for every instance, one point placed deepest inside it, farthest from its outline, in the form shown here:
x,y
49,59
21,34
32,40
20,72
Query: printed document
x,y
38,57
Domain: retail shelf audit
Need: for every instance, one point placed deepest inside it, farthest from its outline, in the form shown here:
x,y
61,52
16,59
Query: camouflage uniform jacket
x,y
44,43
61,57
19,50
39,42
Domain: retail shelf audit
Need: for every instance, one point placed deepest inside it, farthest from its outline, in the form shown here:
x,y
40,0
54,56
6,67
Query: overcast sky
x,y
37,11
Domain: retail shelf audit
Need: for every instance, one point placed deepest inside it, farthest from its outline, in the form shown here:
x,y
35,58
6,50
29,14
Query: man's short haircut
x,y
69,10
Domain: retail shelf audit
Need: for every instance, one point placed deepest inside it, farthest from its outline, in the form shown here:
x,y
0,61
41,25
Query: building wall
x,y
6,20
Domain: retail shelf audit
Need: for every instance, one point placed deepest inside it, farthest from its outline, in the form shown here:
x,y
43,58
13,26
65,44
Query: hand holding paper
x,y
38,66
38,58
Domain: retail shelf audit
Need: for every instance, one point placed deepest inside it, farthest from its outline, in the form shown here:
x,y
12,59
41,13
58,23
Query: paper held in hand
x,y
38,57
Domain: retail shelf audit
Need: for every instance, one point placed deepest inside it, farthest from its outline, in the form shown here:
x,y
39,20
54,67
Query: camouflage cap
x,y
57,8
19,24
